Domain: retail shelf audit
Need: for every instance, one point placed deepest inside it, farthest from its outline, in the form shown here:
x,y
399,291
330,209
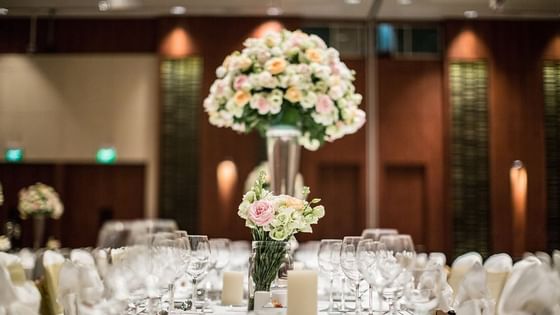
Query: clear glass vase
x,y
283,152
269,261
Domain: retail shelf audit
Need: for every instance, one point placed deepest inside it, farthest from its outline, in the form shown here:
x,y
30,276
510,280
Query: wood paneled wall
x,y
90,193
411,155
515,52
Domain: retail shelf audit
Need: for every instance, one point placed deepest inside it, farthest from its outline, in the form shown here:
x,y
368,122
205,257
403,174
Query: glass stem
x,y
358,300
194,293
171,288
342,295
331,297
370,292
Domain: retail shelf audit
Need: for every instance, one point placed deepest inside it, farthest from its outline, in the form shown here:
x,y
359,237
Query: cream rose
x,y
275,65
293,94
241,98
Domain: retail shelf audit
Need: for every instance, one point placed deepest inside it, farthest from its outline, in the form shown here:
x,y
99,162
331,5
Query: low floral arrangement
x,y
278,218
286,78
273,221
39,200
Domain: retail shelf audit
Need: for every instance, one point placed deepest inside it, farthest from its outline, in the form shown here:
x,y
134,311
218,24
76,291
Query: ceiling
x,y
343,9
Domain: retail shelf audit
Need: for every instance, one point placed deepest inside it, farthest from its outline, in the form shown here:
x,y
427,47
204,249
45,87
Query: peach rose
x,y
241,98
293,94
276,65
314,55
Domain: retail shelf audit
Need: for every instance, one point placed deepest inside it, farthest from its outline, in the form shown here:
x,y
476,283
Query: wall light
x,y
471,14
405,2
518,181
4,11
353,1
226,175
274,11
178,10
103,5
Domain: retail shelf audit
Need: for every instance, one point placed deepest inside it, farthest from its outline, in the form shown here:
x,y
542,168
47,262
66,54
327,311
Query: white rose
x,y
308,100
336,92
221,72
210,104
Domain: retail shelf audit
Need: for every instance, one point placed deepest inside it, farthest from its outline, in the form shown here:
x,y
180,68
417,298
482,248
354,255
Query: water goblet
x,y
329,249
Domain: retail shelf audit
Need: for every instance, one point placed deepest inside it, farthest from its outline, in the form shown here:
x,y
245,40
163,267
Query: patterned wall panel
x,y
468,83
551,73
180,97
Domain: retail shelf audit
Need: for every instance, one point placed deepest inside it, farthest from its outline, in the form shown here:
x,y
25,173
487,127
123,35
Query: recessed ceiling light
x,y
274,11
405,2
471,14
178,10
104,5
3,11
353,1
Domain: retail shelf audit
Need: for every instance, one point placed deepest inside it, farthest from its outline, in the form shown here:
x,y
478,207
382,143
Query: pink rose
x,y
324,104
241,82
261,212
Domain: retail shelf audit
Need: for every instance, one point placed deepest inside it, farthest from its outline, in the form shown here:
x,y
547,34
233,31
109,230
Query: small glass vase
x,y
269,260
38,231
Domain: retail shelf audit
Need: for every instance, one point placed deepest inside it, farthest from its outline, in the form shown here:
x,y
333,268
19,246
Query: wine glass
x,y
375,234
395,269
219,258
369,253
198,263
423,295
329,263
349,265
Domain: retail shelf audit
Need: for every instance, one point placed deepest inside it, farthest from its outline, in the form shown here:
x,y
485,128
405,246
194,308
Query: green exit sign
x,y
13,155
106,155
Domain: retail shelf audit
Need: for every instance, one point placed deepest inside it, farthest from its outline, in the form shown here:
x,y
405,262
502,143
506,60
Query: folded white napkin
x,y
498,268
461,266
532,289
499,263
82,257
472,297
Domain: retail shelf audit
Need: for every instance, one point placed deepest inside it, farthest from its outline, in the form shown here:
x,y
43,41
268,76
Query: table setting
x,y
295,91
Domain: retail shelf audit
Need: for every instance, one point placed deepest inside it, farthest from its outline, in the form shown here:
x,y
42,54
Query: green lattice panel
x,y
468,82
180,97
551,76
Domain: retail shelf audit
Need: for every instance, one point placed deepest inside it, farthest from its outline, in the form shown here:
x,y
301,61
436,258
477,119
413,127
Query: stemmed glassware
x,y
423,294
370,254
349,264
198,263
396,266
329,263
220,255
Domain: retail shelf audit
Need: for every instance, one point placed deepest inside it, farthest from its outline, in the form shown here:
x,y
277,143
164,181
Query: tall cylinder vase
x,y
283,152
38,231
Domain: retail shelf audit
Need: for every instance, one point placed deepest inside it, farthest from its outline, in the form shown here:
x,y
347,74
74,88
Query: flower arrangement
x,y
286,78
39,200
273,220
277,218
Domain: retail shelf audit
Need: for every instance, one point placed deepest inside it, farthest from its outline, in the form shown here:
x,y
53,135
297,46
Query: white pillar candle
x,y
302,292
232,292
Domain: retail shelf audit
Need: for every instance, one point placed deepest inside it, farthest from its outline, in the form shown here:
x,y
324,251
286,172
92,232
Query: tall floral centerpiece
x,y
273,220
294,90
39,201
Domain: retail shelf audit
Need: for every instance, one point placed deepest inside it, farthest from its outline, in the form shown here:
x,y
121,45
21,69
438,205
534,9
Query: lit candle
x,y
302,292
232,292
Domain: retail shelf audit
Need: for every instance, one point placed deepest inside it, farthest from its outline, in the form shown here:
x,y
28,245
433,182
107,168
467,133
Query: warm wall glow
x,y
226,174
518,180
269,26
177,43
467,44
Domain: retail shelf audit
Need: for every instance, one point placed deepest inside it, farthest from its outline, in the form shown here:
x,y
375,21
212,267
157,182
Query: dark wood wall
x,y
414,129
91,195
